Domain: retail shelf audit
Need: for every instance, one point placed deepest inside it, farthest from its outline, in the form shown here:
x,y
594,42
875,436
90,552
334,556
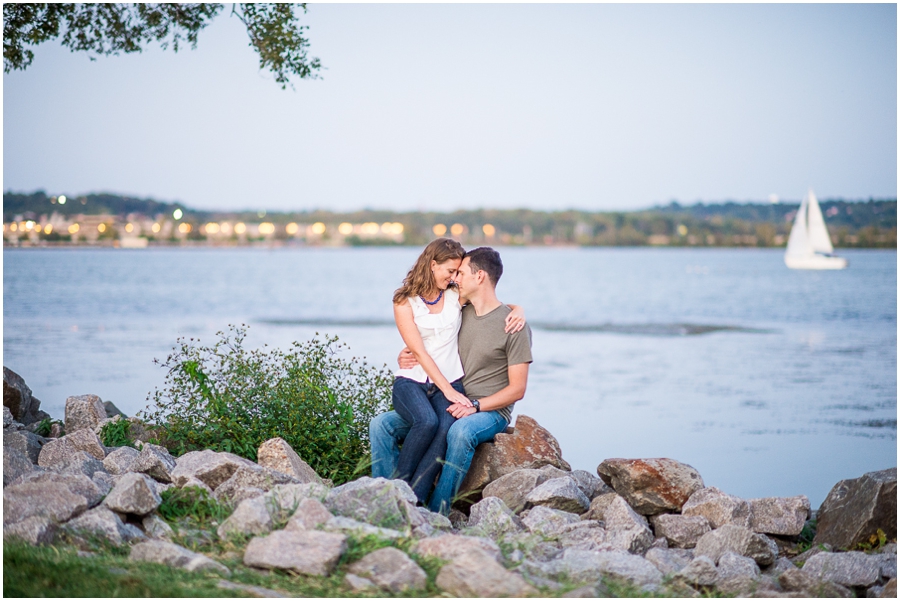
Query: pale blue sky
x,y
439,107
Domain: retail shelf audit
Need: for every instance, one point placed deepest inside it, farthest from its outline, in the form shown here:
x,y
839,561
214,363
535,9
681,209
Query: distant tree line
x,y
870,223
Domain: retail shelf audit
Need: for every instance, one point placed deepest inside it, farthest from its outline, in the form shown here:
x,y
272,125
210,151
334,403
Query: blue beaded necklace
x,y
435,301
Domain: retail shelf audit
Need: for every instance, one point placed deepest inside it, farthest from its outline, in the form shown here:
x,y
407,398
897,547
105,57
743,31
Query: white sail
x,y
798,242
819,239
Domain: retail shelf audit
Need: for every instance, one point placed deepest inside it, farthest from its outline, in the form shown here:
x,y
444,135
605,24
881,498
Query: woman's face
x,y
444,272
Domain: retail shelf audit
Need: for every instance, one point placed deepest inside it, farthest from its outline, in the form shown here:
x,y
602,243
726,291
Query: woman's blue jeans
x,y
424,407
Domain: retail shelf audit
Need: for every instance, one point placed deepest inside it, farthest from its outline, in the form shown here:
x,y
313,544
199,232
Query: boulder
x,y
680,531
209,467
284,499
358,583
254,476
732,565
493,519
58,497
669,561
156,528
477,574
587,535
251,516
278,455
598,506
84,412
304,551
526,446
625,528
587,567
99,524
437,521
112,410
739,540
849,569
8,418
546,521
25,442
310,514
23,407
701,571
451,546
156,462
104,482
78,463
794,580
358,529
15,463
590,485
170,554
718,508
651,486
513,487
559,493
391,569
135,494
36,530
119,461
856,509
779,515
376,501
60,449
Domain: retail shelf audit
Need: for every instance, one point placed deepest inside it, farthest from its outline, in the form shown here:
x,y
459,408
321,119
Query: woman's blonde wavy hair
x,y
420,281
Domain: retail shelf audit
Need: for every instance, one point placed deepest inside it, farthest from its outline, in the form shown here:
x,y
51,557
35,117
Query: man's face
x,y
465,279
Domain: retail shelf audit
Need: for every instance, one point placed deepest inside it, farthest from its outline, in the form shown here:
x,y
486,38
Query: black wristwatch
x,y
477,406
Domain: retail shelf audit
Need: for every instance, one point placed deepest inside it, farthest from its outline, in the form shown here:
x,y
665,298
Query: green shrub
x,y
192,502
115,434
227,398
44,426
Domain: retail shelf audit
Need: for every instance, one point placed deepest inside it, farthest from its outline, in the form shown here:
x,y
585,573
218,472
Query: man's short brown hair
x,y
488,260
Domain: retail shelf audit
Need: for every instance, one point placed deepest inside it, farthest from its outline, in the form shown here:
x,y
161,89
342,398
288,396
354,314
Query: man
x,y
496,374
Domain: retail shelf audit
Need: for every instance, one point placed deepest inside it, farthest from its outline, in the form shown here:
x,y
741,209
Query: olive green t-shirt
x,y
487,351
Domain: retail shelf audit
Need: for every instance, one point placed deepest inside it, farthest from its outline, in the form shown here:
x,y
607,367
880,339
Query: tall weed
x,y
227,398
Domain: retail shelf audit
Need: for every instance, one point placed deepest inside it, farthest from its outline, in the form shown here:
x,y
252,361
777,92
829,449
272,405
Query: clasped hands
x,y
406,360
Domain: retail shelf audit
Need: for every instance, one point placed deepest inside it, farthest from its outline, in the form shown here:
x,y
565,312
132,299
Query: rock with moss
x,y
492,518
156,528
35,530
391,569
251,516
357,529
309,552
310,514
172,555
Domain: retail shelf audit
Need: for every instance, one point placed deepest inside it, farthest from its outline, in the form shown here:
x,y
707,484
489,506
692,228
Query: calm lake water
x,y
768,381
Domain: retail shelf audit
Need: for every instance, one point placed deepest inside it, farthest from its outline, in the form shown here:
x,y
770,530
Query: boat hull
x,y
815,262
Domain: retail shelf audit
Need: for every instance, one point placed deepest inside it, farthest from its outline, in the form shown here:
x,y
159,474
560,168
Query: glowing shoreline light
x,y
439,229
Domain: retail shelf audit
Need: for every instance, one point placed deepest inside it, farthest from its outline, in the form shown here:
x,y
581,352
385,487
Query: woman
x,y
427,310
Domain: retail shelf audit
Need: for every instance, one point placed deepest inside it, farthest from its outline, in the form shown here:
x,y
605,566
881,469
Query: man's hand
x,y
457,410
406,359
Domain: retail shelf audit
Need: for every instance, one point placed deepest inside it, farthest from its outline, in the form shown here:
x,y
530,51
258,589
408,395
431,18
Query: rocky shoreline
x,y
529,526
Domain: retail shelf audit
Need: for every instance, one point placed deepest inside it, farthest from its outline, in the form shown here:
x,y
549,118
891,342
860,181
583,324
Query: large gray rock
x,y
310,514
718,508
739,540
207,466
450,546
512,488
99,524
856,509
120,460
798,581
8,418
84,412
61,449
669,561
252,516
590,485
278,455
376,501
587,567
284,499
701,571
170,554
493,519
559,493
263,478
732,565
357,529
304,551
625,528
546,521
25,442
651,486
779,515
477,574
135,494
15,463
849,569
588,535
58,497
598,506
36,530
24,407
391,569
156,528
156,462
78,463
680,531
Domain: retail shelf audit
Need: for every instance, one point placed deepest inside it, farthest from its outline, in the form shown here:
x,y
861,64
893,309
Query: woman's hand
x,y
515,321
456,397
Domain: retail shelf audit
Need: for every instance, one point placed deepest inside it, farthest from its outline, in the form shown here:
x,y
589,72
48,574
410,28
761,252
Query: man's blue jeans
x,y
388,430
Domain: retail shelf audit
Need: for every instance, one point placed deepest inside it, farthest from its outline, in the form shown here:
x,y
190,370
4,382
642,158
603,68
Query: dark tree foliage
x,y
104,29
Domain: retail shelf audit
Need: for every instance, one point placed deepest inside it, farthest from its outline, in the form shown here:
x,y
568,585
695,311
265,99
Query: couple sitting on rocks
x,y
464,366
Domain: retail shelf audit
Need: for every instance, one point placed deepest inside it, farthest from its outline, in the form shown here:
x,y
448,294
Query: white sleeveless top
x,y
440,333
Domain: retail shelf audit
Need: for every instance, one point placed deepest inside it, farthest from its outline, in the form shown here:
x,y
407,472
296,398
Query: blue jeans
x,y
423,406
388,430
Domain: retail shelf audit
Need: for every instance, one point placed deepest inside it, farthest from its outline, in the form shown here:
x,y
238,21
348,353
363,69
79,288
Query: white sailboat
x,y
809,246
